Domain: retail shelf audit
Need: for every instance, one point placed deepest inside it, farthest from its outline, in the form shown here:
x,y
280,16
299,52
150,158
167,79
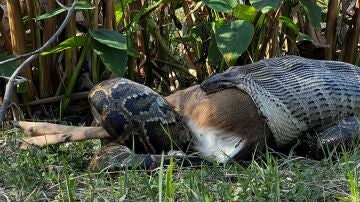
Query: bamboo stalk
x,y
109,14
138,39
47,73
17,33
32,14
95,72
70,54
330,32
32,10
353,39
74,76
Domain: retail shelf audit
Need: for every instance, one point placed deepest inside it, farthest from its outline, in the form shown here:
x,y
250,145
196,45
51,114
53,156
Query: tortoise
x,y
276,102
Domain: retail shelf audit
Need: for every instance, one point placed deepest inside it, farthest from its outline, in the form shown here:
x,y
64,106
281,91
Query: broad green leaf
x,y
313,12
81,5
265,5
233,38
214,55
119,9
289,23
110,38
221,5
72,42
114,59
245,12
8,68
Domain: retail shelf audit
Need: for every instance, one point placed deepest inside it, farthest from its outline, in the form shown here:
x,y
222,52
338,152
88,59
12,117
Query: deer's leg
x,y
42,134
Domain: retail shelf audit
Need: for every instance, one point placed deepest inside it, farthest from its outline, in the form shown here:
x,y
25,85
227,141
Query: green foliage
x,y
245,12
215,56
233,38
114,59
351,174
111,46
170,186
265,6
221,5
161,176
81,5
313,12
72,42
289,23
119,9
110,38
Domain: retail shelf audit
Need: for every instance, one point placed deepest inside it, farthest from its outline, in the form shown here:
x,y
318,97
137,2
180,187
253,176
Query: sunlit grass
x,y
60,173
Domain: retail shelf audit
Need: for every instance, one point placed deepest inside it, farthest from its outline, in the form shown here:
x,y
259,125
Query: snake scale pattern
x,y
297,97
295,94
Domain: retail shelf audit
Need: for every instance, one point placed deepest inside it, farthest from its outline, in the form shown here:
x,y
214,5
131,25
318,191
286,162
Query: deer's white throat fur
x,y
215,144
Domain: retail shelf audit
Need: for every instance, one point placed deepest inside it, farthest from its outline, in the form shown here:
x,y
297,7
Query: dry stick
x,y
330,31
74,96
10,84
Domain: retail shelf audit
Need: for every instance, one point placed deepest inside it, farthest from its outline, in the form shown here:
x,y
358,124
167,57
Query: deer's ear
x,y
218,82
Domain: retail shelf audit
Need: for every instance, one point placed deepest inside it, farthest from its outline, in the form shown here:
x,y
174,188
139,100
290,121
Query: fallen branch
x,y
11,83
74,96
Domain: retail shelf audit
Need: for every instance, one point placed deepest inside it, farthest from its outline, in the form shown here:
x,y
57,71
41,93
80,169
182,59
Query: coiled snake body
x,y
280,101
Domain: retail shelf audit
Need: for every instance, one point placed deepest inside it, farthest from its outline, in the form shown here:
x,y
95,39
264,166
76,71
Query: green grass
x,y
60,173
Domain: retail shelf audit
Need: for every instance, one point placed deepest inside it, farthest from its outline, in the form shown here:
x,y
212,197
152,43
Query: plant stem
x,y
74,77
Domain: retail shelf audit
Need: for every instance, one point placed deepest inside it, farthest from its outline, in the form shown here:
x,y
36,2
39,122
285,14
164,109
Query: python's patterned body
x,y
295,94
126,109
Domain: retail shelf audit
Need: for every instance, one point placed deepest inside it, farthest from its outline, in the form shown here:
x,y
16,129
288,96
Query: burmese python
x,y
136,116
299,98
